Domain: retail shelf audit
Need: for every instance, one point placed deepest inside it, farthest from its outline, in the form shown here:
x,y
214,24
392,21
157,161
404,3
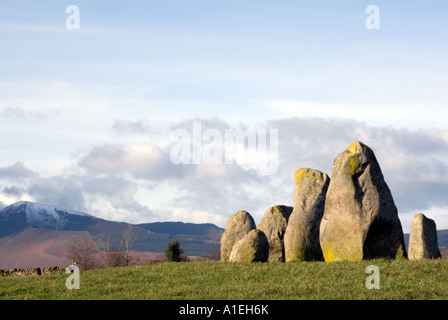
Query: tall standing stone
x,y
423,239
273,224
238,226
360,220
302,234
254,247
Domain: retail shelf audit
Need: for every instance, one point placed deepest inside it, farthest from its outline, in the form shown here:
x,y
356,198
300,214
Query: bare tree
x,y
115,258
128,238
83,253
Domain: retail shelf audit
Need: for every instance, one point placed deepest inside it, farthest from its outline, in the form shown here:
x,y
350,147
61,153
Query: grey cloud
x,y
422,142
14,113
16,171
60,191
103,159
210,123
118,191
136,126
12,191
110,186
19,113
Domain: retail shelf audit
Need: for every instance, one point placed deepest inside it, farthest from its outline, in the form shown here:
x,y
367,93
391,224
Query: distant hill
x,y
38,235
173,228
195,239
442,238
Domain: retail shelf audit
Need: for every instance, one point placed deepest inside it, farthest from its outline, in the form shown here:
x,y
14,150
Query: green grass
x,y
246,281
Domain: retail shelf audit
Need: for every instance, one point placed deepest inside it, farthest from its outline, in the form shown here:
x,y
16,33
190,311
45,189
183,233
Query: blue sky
x,y
237,53
137,69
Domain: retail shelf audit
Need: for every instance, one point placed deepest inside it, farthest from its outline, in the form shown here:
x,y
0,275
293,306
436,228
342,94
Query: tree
x,y
118,257
83,253
115,258
128,238
173,252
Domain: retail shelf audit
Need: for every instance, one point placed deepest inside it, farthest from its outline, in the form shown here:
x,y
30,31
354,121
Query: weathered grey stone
x,y
423,239
302,234
360,219
273,224
238,226
254,247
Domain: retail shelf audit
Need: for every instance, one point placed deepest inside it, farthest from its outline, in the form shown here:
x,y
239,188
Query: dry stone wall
x,y
22,272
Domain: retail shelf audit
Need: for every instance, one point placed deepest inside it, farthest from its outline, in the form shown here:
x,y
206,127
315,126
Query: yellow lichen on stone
x,y
334,253
328,253
299,174
359,147
400,255
353,164
355,147
299,255
275,209
305,172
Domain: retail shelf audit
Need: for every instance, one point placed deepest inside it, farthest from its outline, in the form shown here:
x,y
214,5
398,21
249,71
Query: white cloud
x,y
119,193
142,161
7,199
406,114
138,182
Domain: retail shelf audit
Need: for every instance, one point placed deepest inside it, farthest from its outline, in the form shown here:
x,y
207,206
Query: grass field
x,y
209,280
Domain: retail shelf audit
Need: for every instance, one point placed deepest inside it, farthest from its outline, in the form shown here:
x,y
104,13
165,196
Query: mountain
x,y
176,228
38,235
25,214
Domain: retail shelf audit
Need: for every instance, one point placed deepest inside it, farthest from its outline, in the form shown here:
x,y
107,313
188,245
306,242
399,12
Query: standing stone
x,y
423,239
273,224
254,247
360,220
238,225
302,234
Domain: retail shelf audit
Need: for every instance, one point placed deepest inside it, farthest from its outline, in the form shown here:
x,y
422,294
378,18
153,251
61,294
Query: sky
x,y
89,115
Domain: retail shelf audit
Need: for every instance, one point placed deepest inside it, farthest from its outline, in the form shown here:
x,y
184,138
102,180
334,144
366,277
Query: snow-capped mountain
x,y
34,234
39,215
